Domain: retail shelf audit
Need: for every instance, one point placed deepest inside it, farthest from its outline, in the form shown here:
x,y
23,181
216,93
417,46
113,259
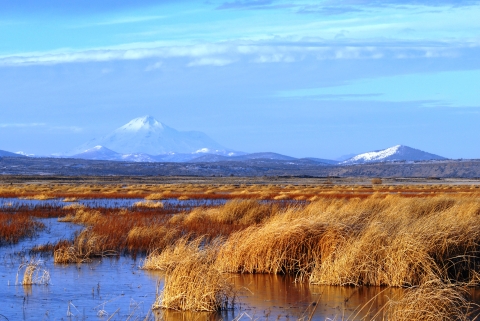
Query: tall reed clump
x,y
286,243
391,241
34,272
193,283
167,258
406,242
86,245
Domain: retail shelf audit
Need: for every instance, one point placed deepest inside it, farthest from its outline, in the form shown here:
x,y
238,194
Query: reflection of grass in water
x,y
432,300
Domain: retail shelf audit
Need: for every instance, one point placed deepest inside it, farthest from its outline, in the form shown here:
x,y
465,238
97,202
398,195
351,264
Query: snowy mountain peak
x,y
149,136
394,153
142,123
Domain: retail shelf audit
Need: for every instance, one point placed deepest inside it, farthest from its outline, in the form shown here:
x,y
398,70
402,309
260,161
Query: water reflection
x,y
277,297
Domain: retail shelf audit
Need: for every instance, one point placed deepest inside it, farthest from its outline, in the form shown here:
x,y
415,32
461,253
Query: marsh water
x,y
117,289
104,202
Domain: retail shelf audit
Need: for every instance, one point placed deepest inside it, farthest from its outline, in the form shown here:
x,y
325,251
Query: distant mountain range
x,y
145,139
398,153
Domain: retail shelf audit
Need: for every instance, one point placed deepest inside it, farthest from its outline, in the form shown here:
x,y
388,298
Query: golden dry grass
x,y
149,204
39,197
240,212
390,241
425,238
224,191
155,196
70,199
34,272
168,258
82,216
74,206
86,245
193,283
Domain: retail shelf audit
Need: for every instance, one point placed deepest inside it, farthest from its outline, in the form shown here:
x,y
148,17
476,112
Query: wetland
x,y
286,250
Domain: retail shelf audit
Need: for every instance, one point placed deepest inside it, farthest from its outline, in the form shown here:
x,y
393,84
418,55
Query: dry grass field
x,y
294,189
424,238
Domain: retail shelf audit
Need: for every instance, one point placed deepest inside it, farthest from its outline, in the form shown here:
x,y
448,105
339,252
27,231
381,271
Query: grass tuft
x,y
193,283
34,272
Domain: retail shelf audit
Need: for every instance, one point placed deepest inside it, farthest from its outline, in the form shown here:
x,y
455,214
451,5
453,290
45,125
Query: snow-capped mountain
x,y
99,153
395,153
149,136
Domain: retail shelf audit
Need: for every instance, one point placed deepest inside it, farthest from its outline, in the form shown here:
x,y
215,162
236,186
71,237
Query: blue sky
x,y
303,78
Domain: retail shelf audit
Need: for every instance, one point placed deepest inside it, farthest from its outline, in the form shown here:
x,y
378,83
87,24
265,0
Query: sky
x,y
304,78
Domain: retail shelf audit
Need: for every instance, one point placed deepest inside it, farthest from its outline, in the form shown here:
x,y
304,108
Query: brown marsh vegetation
x,y
324,189
14,227
423,238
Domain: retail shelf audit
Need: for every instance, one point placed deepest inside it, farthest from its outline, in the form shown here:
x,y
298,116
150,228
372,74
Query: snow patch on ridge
x,y
376,155
395,153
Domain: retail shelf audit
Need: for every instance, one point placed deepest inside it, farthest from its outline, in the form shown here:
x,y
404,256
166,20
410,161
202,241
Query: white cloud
x,y
43,125
154,66
210,62
221,54
21,125
274,58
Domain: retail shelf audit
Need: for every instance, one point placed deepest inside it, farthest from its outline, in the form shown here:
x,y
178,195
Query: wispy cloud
x,y
154,66
210,62
76,7
245,4
118,21
443,89
382,3
221,54
45,126
21,125
327,10
337,7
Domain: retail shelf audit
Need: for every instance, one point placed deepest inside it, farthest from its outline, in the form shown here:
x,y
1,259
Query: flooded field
x,y
118,288
305,253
